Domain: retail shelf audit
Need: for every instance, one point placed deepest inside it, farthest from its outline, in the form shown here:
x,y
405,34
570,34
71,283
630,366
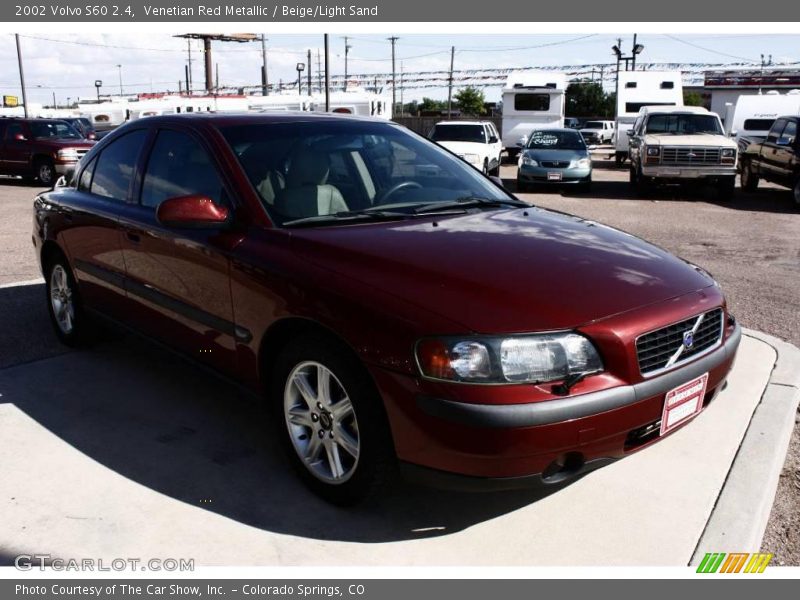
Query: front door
x,y
180,277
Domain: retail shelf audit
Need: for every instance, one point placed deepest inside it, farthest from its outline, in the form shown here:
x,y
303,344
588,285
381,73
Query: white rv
x,y
279,103
750,120
356,102
531,100
638,89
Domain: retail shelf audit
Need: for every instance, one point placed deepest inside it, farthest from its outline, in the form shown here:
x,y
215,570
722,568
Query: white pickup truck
x,y
681,145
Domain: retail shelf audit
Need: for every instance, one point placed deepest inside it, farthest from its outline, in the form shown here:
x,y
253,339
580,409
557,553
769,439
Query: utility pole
x,y
764,63
393,39
309,71
319,71
327,78
402,104
216,81
450,83
188,84
22,78
633,62
346,53
120,80
264,79
189,68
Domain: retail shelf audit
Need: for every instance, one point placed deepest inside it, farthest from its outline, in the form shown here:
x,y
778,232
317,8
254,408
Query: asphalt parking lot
x,y
749,244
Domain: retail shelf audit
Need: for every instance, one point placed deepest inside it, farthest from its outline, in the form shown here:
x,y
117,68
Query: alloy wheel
x,y
321,422
61,300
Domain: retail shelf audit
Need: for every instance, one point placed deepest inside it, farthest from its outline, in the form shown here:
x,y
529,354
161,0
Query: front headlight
x,y
528,161
581,163
728,152
68,154
515,359
653,150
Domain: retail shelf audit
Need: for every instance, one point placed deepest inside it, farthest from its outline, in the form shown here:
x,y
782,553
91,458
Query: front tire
x,y
331,420
749,179
46,172
64,303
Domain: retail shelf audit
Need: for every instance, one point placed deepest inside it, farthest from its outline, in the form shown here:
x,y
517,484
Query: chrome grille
x,y
665,347
690,156
555,164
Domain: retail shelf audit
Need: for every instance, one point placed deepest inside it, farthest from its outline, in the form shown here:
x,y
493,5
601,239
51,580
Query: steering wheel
x,y
396,188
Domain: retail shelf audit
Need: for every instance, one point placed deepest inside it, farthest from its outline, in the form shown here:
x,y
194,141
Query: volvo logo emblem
x,y
688,339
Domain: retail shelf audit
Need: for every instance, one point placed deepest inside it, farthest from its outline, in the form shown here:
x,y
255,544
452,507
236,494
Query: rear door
x,y
91,234
495,144
769,150
179,278
786,153
16,152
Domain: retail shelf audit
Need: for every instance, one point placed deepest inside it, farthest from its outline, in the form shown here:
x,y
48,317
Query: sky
x,y
68,64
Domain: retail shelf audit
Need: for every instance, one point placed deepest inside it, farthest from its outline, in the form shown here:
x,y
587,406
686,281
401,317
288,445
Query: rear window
x,y
458,133
758,124
635,107
539,102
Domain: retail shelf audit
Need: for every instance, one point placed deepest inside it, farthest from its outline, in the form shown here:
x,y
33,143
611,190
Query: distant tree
x,y
692,99
587,99
429,104
470,101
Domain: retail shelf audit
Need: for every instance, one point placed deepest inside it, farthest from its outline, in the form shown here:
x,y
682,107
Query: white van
x,y
638,89
531,100
750,120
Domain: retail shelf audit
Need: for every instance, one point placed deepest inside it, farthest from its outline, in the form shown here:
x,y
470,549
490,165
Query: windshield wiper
x,y
352,215
470,202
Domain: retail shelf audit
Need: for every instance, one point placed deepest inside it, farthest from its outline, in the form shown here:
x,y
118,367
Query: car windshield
x,y
681,124
593,125
458,133
56,130
556,140
323,170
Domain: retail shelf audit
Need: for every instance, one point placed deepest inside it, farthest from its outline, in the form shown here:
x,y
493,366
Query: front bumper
x,y
688,172
64,167
538,175
478,445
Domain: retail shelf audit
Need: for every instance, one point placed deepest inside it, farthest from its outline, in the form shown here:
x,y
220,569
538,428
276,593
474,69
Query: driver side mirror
x,y
631,132
194,211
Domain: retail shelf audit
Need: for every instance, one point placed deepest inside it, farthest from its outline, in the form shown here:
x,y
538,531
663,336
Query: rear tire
x,y
641,186
69,320
330,420
749,179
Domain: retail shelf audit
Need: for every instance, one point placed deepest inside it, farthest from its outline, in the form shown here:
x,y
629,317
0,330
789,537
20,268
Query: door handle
x,y
133,236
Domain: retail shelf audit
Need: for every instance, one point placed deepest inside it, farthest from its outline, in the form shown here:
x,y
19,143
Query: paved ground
x,y
137,454
750,245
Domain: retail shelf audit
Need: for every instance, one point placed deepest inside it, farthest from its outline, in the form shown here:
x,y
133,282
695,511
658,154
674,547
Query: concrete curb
x,y
740,516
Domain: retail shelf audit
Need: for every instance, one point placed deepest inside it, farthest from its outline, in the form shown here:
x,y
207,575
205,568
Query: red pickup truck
x,y
40,149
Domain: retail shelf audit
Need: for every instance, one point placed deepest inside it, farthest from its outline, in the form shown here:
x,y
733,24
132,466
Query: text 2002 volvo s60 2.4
x,y
395,307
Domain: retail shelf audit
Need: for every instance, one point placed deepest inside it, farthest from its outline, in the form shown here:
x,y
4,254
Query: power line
x,y
677,39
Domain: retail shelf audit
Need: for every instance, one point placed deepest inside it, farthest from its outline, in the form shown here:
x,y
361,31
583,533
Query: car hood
x,y
540,154
59,143
504,271
464,147
700,139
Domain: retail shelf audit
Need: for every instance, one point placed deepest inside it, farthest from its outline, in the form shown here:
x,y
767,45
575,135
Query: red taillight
x,y
434,360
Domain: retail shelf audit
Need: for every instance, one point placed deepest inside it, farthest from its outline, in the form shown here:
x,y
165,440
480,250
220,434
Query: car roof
x,y
463,122
257,118
688,110
556,130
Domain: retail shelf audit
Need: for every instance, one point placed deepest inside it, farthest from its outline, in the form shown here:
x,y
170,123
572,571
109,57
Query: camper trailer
x,y
279,103
106,115
531,100
750,119
638,89
356,101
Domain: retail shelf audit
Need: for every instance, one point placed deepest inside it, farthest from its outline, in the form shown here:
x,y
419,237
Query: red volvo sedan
x,y
392,305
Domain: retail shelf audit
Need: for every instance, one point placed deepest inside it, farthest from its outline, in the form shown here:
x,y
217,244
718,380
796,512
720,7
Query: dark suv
x,y
776,159
40,149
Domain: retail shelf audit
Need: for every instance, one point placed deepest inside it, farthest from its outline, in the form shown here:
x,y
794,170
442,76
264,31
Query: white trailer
x,y
750,119
356,102
531,100
642,88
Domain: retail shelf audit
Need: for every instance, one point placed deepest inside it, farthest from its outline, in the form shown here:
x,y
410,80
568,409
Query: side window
x,y
789,134
179,166
637,126
12,130
85,182
776,130
114,169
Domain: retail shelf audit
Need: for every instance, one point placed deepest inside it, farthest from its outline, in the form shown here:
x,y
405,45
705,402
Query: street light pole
x,y
120,80
327,78
264,77
22,78
300,68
